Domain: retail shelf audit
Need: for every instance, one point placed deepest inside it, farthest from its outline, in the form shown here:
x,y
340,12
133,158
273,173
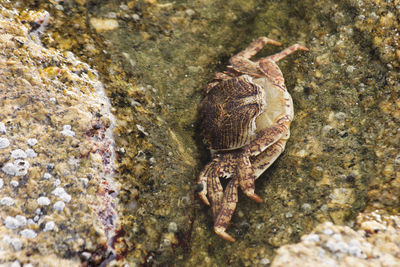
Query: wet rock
x,y
49,100
101,25
375,243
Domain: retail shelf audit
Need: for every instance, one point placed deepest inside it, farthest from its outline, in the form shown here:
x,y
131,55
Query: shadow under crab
x,y
245,120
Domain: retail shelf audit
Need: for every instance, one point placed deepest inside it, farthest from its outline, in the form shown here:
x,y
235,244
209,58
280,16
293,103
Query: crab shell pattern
x,y
245,118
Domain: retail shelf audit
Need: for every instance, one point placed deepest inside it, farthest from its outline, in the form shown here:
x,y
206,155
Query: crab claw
x,y
201,189
226,211
247,178
255,197
221,232
202,192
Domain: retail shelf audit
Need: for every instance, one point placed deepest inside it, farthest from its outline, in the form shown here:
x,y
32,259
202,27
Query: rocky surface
x,y
376,243
56,152
154,58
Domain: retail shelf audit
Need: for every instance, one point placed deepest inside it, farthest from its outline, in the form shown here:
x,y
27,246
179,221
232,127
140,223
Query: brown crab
x,y
245,119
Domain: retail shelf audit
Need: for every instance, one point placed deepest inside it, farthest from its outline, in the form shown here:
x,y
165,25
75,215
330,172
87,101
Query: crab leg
x,y
269,67
270,136
253,48
291,49
266,158
247,178
216,194
226,212
241,63
202,182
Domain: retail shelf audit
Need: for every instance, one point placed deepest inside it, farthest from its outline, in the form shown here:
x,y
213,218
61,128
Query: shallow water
x,y
173,50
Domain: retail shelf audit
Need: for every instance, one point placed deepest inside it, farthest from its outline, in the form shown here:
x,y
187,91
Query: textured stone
x,y
54,103
375,243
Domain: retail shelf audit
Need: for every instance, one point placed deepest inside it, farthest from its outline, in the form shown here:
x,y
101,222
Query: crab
x,y
244,119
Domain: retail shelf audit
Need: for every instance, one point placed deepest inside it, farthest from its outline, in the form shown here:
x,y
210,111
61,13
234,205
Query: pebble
x,y
340,116
141,129
265,261
288,214
190,12
306,207
86,255
101,25
172,227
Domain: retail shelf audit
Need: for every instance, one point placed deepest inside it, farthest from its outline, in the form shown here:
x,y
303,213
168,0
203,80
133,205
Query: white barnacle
x,y
4,142
60,192
9,169
11,223
18,154
59,206
43,201
32,141
7,201
14,222
21,166
28,233
49,226
2,128
14,242
67,130
31,153
57,182
21,220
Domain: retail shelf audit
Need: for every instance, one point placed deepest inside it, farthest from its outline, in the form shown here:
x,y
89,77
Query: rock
x,y
50,100
101,25
375,243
